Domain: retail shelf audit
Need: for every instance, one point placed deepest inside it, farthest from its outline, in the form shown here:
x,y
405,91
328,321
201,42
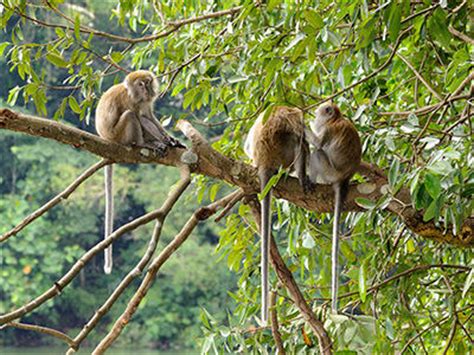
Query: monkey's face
x,y
142,88
325,113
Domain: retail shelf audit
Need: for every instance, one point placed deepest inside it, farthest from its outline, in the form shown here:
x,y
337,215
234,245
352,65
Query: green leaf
x,y
365,203
433,185
362,282
431,212
77,28
314,19
394,20
117,57
74,105
57,60
393,172
468,283
3,46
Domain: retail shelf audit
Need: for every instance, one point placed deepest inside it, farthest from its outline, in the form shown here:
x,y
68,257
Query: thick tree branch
x,y
206,161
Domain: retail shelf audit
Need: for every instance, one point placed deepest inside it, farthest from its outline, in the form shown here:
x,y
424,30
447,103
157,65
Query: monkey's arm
x,y
313,139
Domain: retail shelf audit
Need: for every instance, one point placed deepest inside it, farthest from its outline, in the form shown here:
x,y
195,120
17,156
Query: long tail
x,y
340,192
109,216
265,244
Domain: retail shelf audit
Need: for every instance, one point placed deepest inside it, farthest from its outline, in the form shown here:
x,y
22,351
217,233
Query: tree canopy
x,y
401,71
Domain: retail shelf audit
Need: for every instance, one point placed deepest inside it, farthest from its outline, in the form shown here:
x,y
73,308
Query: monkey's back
x,y
112,104
273,140
344,149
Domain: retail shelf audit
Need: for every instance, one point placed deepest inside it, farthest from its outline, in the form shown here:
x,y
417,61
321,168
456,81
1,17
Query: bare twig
x,y
40,329
198,216
461,35
170,28
275,327
435,324
55,200
229,206
420,77
138,269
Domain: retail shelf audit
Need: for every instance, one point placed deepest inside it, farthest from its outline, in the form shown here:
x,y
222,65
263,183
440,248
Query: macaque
x,y
124,115
279,142
335,158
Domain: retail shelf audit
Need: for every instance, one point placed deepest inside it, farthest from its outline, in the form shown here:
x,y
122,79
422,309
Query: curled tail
x,y
109,216
265,226
340,192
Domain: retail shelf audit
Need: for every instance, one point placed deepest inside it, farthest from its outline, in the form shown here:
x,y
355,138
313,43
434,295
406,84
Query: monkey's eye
x,y
141,83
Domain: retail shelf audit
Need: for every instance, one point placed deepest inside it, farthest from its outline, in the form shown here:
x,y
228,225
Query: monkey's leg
x,y
128,128
151,125
301,155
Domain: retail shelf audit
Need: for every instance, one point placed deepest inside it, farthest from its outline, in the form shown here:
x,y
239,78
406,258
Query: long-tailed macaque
x,y
335,158
279,142
124,115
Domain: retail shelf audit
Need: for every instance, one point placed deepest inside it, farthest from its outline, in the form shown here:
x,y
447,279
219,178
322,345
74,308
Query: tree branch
x,y
138,269
200,215
40,329
55,200
275,327
207,161
286,278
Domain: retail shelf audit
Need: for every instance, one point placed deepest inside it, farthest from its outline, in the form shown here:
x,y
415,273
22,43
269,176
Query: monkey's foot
x,y
308,186
173,142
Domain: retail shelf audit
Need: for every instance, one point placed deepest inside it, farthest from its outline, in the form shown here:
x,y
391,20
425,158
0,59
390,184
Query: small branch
x,y
420,77
435,324
171,26
40,329
77,267
229,206
55,200
368,77
286,278
275,327
461,35
425,109
200,215
138,269
188,21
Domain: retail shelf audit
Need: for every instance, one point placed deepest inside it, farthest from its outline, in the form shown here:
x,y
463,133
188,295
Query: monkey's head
x,y
324,114
142,86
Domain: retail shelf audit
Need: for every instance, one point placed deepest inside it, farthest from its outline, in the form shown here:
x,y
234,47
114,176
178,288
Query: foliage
x,y
377,60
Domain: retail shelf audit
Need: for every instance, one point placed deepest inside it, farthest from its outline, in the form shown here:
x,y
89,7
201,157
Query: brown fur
x,y
284,127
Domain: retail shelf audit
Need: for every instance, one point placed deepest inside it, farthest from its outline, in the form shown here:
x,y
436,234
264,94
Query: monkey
x,y
334,160
124,115
278,142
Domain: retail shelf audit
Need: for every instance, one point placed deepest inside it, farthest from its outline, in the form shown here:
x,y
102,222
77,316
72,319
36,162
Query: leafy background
x,y
372,58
